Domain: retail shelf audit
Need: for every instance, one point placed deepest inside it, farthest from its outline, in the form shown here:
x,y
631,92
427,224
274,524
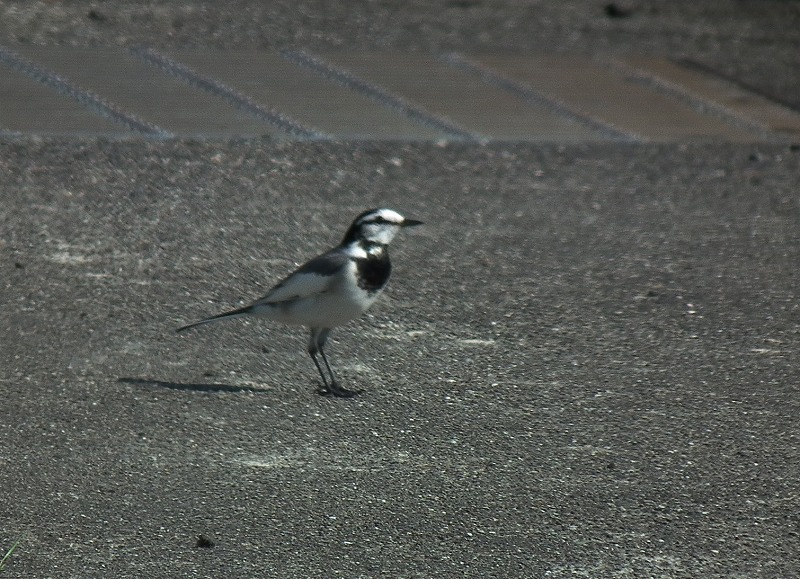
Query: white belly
x,y
325,310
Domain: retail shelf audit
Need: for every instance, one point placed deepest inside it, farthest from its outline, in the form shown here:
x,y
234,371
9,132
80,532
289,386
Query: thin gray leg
x,y
317,344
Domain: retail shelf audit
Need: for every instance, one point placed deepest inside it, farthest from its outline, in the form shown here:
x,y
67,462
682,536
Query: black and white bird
x,y
333,288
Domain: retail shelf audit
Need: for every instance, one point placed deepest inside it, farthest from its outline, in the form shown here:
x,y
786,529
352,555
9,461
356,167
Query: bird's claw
x,y
333,389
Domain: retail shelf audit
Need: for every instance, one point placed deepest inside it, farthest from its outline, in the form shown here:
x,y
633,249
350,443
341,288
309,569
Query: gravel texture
x,y
586,364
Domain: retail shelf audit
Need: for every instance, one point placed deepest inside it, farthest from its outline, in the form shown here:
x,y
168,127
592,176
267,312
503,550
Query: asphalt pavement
x,y
586,363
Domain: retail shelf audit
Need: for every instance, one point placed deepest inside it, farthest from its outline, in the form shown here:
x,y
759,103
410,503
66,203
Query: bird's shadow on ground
x,y
190,386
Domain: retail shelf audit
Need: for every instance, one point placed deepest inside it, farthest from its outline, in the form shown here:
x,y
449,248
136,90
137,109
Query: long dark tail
x,y
225,316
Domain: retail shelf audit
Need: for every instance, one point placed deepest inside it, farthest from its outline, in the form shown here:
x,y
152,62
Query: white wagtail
x,y
333,288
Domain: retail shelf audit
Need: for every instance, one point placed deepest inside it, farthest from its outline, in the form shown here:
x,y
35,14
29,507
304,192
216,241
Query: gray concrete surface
x,y
586,364
373,96
751,40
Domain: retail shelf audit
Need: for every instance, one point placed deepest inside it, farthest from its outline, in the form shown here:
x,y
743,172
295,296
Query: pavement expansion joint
x,y
219,89
87,98
537,98
384,97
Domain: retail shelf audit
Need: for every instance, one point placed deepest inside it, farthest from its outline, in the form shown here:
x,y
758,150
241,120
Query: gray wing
x,y
312,278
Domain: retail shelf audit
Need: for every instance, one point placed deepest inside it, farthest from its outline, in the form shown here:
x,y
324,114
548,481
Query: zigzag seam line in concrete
x,y
696,102
88,99
380,95
534,97
227,93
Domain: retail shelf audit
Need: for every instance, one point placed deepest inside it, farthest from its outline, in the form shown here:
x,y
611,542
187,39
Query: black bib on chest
x,y
373,271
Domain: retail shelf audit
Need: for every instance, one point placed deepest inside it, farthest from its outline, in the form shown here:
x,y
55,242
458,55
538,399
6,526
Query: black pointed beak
x,y
411,222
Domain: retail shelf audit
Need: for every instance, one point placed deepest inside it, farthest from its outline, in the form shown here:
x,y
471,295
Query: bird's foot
x,y
333,389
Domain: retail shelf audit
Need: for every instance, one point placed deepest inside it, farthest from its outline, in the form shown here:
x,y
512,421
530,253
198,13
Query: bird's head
x,y
377,226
